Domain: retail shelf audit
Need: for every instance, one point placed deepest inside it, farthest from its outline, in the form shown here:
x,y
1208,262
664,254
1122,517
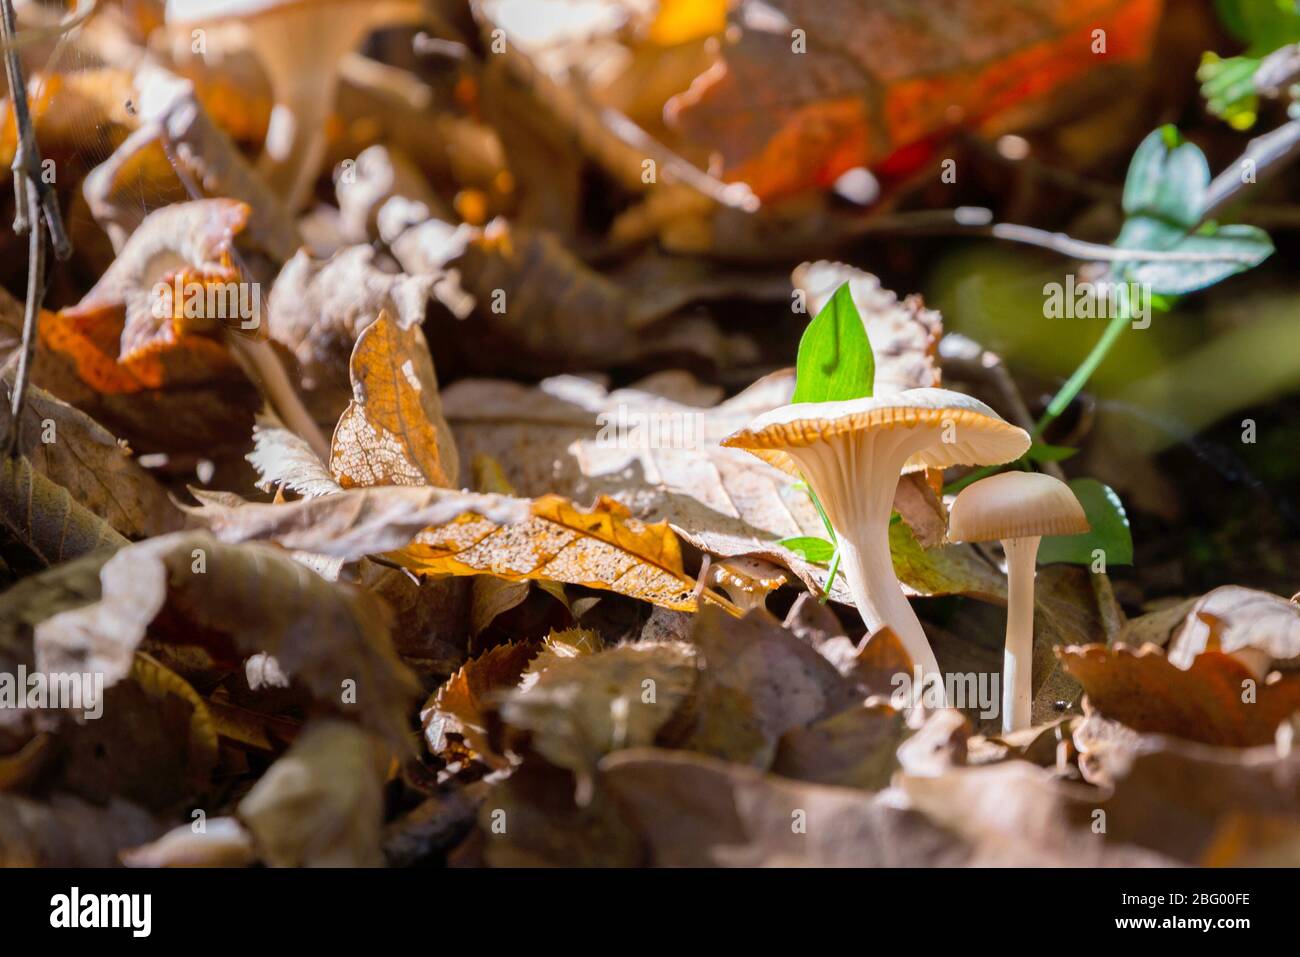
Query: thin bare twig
x,y
36,209
978,221
1266,155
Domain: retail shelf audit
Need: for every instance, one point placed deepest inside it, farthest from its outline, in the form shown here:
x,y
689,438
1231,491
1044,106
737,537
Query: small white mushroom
x,y
747,580
1017,509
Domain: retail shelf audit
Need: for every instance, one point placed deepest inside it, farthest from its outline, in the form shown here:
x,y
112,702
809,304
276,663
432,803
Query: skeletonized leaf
x,y
393,432
655,448
318,309
602,547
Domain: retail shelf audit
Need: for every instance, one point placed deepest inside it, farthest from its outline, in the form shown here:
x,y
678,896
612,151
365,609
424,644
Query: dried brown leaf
x,y
238,600
1217,700
321,804
393,432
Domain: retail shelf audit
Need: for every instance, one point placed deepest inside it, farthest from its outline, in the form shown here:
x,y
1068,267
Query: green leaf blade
x,y
816,550
835,361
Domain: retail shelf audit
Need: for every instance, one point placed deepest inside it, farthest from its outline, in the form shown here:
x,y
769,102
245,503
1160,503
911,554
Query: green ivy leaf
x,y
1166,181
1248,245
816,550
1110,529
835,360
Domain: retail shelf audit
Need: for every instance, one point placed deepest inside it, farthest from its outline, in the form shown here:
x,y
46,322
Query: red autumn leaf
x,y
799,98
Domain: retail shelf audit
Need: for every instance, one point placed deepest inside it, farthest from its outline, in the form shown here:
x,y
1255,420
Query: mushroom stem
x,y
296,142
1018,658
855,480
866,570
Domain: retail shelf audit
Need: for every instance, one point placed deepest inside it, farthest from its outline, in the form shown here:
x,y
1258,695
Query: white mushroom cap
x,y
1015,505
965,430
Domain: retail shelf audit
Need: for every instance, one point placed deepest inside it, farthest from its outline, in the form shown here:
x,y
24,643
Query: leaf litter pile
x,y
487,433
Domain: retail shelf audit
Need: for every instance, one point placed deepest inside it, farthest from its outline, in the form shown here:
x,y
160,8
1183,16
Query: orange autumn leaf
x,y
791,106
602,547
393,431
174,276
1216,700
88,340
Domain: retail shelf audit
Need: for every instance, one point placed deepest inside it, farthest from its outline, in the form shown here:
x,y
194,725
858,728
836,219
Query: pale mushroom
x,y
1017,509
852,453
299,44
747,580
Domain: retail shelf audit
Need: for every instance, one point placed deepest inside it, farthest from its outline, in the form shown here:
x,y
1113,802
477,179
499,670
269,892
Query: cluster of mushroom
x,y
852,455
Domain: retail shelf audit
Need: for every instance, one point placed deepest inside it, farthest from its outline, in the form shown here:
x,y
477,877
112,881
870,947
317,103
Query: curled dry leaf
x,y
1239,621
191,398
393,432
354,523
1216,700
176,128
1017,812
179,247
661,458
460,706
1203,805
235,601
321,804
376,176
